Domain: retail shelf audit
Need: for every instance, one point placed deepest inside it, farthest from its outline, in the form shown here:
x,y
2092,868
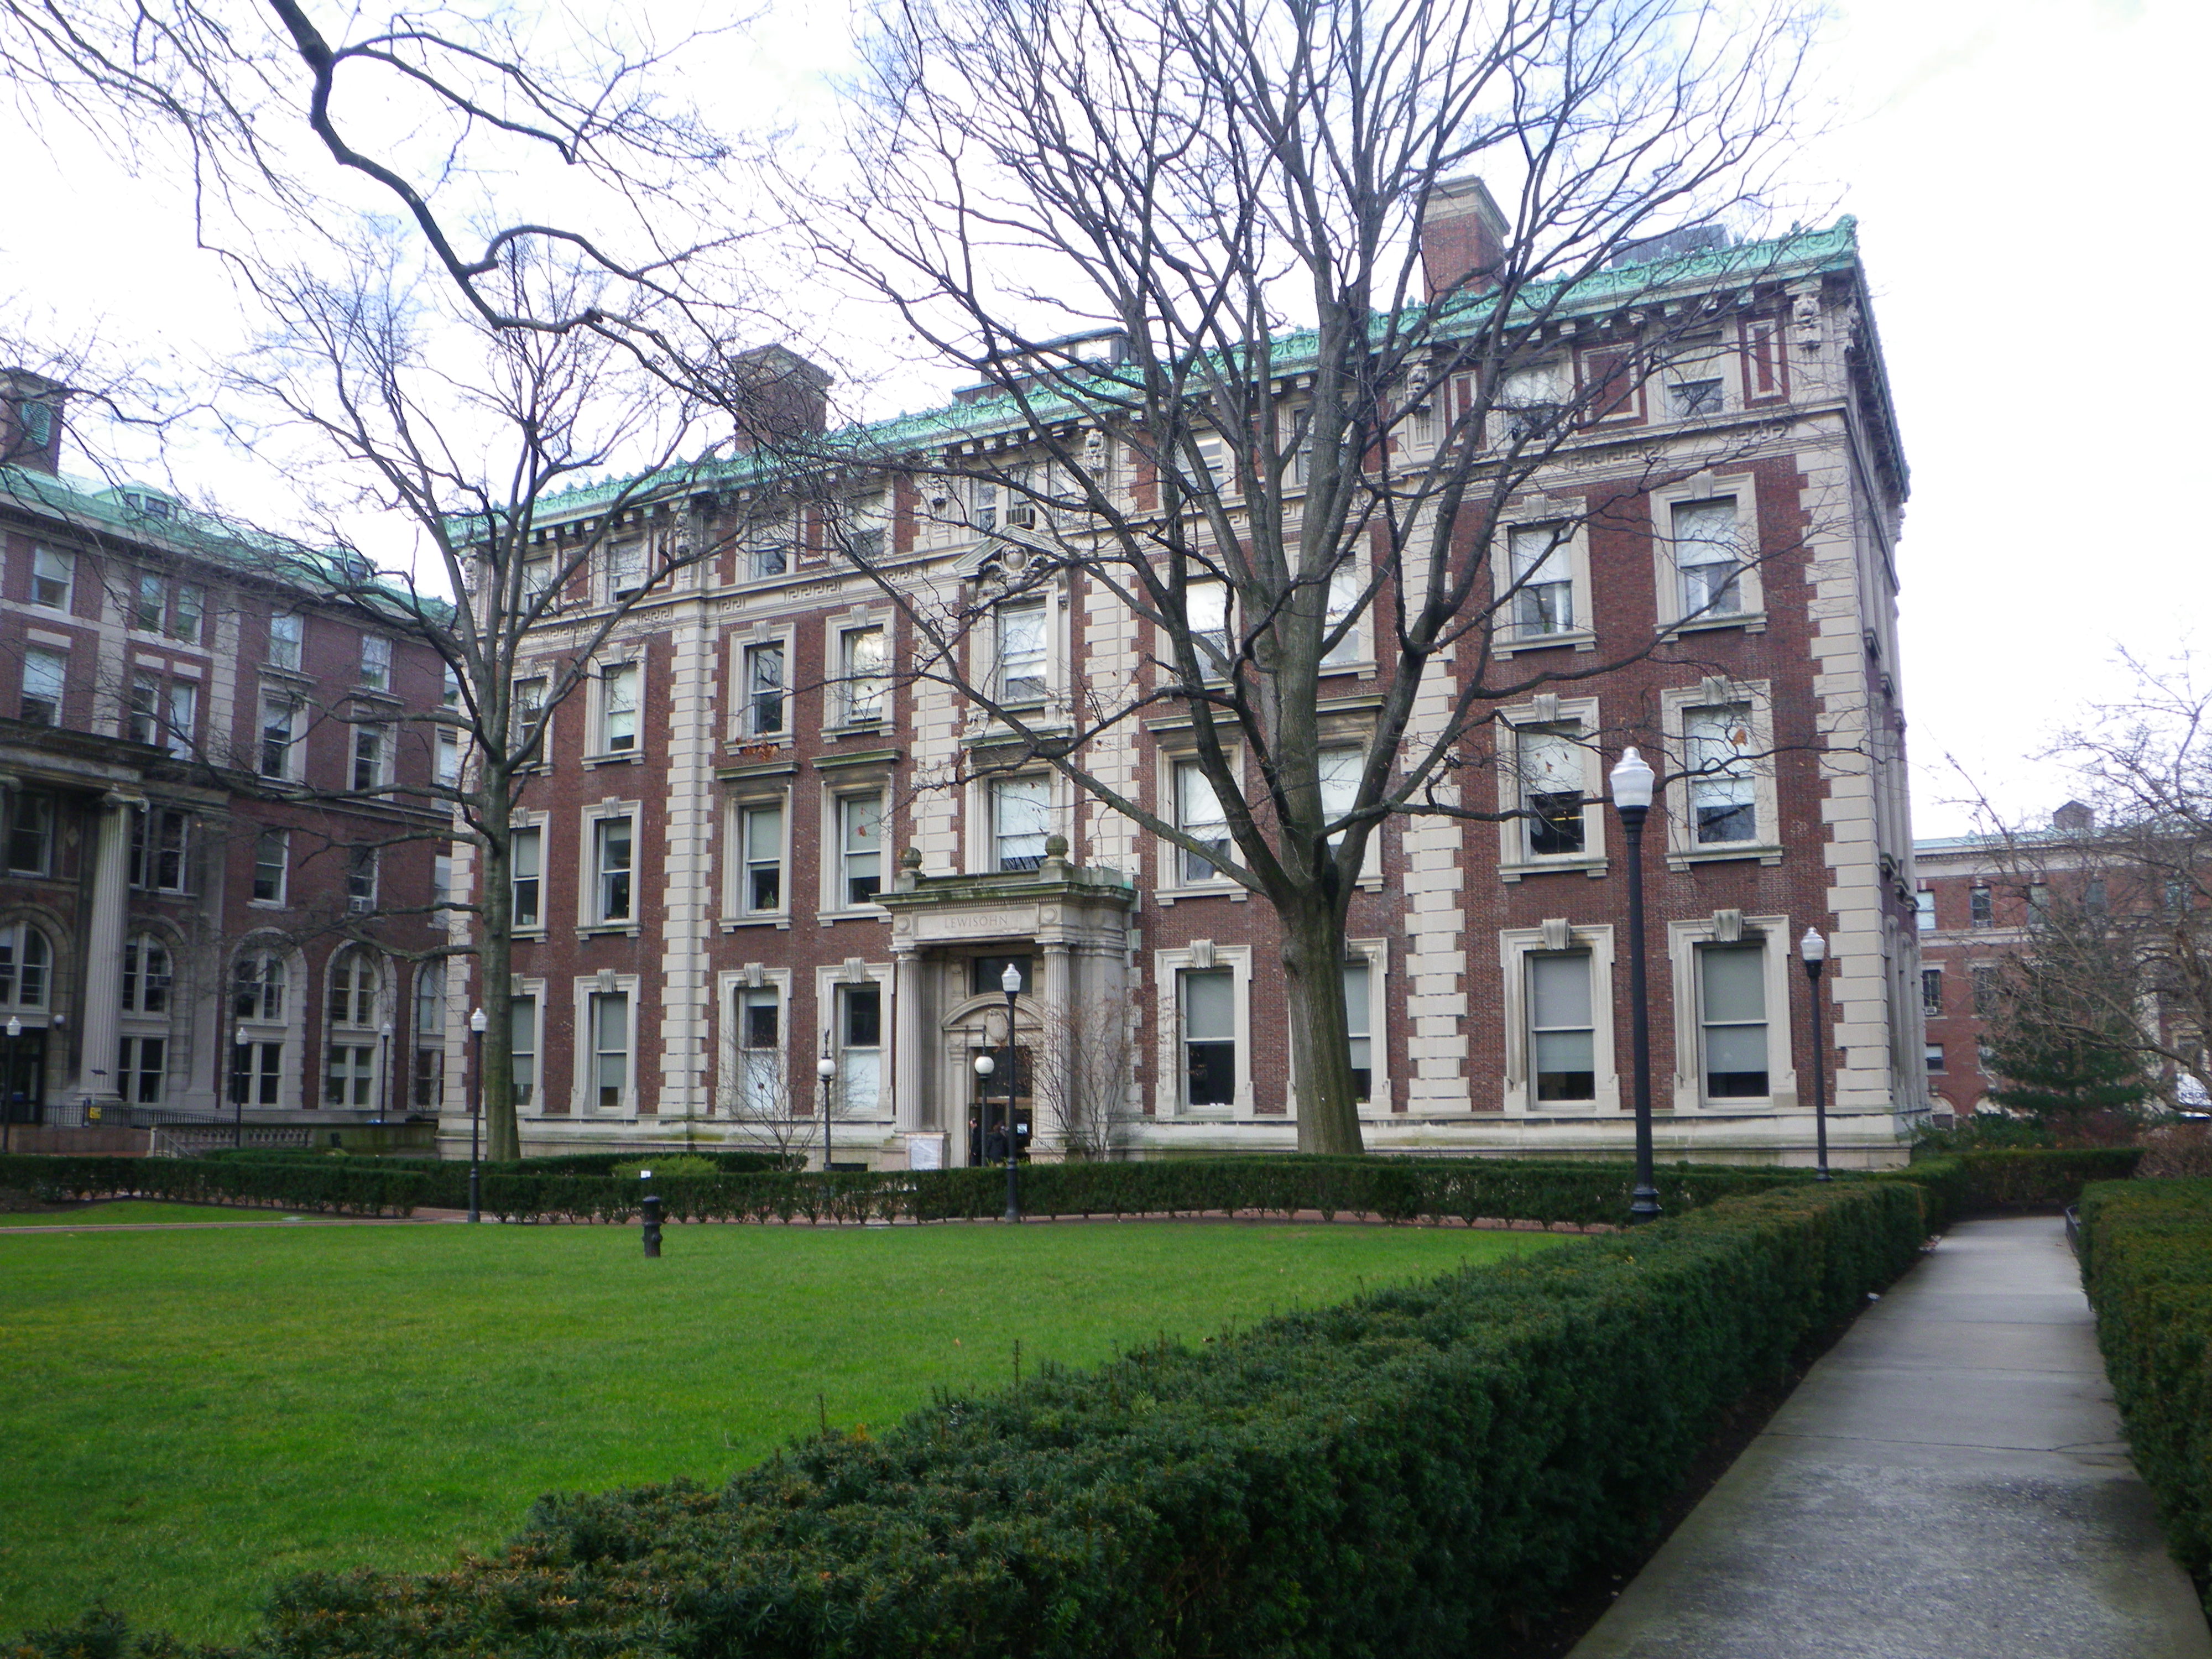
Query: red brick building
x,y
748,848
208,891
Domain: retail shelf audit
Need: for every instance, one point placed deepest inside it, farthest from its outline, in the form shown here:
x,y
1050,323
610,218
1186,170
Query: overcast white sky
x,y
2028,179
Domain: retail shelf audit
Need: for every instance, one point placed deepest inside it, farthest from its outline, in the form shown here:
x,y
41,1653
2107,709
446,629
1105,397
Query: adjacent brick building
x,y
742,853
199,916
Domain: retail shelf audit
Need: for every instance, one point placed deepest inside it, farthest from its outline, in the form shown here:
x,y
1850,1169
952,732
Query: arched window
x,y
25,966
353,987
146,975
258,989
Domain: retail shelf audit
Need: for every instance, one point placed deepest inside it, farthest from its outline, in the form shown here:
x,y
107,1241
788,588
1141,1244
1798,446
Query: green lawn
x,y
124,1210
186,1417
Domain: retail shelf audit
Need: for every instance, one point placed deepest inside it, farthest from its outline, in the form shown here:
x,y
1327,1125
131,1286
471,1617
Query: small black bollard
x,y
649,1220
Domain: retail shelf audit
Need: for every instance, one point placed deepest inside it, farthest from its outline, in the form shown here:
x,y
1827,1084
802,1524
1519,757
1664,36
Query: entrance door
x,y
23,1061
987,1102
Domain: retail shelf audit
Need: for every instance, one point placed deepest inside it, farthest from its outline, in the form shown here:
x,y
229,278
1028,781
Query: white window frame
x,y
1198,607
286,646
1683,939
448,761
1575,718
831,981
1688,362
375,665
602,690
742,728
43,559
379,767
626,557
50,684
131,1067
282,895
1347,588
1518,1086
360,857
1375,955
540,825
840,703
137,980
1567,517
15,940
729,1096
296,739
584,1084
534,990
1529,386
737,896
1750,593
589,917
1173,880
149,842
541,675
834,796
1168,968
1045,680
1676,703
984,797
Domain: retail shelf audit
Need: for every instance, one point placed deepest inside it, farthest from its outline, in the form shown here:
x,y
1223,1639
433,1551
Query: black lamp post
x,y
984,1066
826,1069
1814,950
241,1079
1011,982
7,1130
477,1023
1632,785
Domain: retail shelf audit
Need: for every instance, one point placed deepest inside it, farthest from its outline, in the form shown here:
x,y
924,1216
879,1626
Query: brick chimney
x,y
782,397
1463,237
31,420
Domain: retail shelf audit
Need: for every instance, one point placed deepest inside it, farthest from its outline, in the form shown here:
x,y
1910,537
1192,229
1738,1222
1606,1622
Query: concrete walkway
x,y
1949,1482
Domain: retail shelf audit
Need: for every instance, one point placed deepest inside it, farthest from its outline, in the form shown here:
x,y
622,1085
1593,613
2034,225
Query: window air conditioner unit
x,y
360,907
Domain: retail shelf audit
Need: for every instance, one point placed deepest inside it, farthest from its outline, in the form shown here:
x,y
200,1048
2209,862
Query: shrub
x,y
671,1167
2147,1262
1404,1475
2045,1179
2177,1149
348,1187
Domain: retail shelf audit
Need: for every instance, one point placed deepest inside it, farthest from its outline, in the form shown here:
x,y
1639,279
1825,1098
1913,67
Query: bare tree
x,y
2116,969
1085,1076
466,431
1223,381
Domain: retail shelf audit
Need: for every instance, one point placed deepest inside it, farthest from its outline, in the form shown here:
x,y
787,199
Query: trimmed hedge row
x,y
563,1164
2147,1262
330,1186
1406,1474
2026,1179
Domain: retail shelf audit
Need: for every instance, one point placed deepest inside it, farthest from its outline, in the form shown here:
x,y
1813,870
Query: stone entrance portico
x,y
1073,927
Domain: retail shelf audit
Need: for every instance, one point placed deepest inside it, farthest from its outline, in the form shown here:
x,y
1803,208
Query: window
x,y
368,746
1924,910
1934,1052
864,533
1732,1010
1979,911
279,718
764,693
157,849
1551,775
1213,462
1346,589
1530,399
1721,788
50,571
1358,1016
375,662
31,833
626,570
537,580
1562,1033
1200,815
188,616
1985,983
861,1049
526,849
429,1089
181,719
618,710
1021,653
986,975
609,1027
528,713
2093,894
141,710
1707,553
441,883
46,673
451,697
149,603
350,1074
860,835
1339,770
864,663
353,999
1021,818
257,1073
2038,901
983,505
769,559
1209,1037
257,991
272,860
761,834
612,852
1931,990
1207,606
449,756
1688,398
146,975
25,966
522,1023
141,1066
756,1016
361,879
1543,581
284,636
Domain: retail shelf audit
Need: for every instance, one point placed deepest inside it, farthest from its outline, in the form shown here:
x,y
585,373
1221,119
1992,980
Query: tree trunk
x,y
495,955
1321,1052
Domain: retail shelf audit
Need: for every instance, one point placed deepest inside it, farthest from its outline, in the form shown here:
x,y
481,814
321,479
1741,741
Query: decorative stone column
x,y
103,950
